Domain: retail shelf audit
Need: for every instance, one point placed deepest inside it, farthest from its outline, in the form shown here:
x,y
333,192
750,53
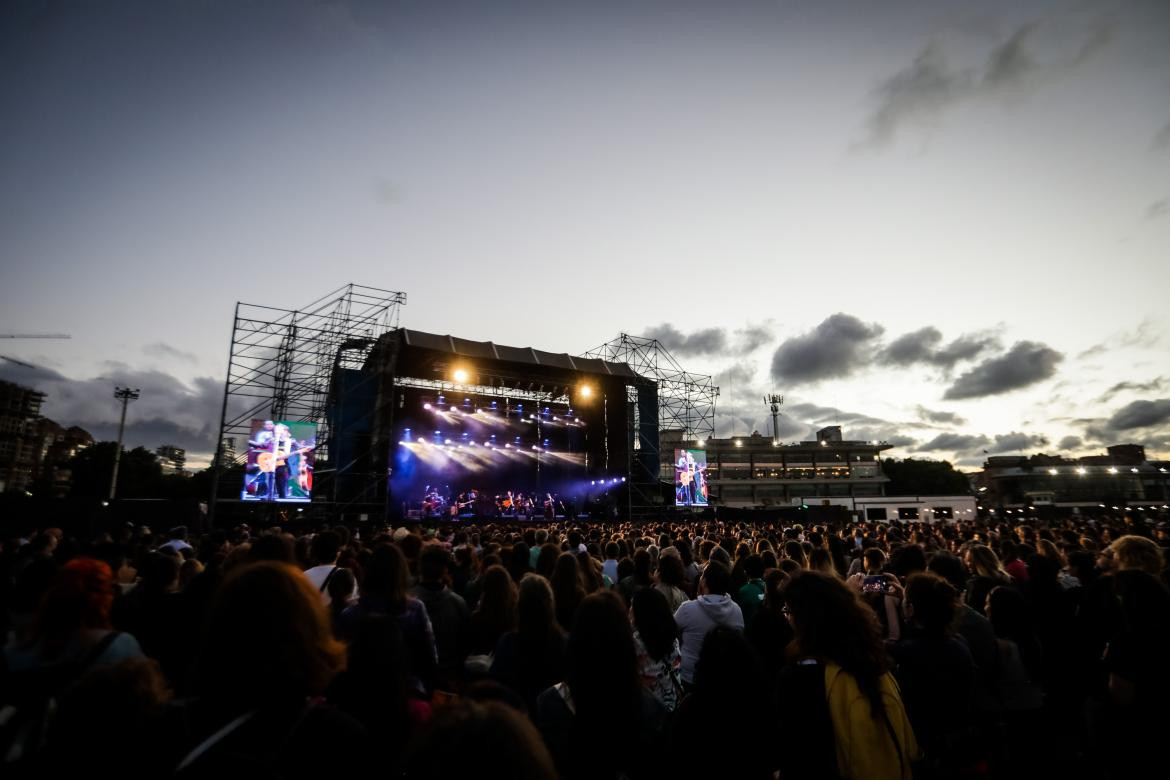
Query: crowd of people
x,y
666,649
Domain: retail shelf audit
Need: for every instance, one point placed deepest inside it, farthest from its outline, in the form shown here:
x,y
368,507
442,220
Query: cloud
x,y
914,347
710,341
954,442
168,411
161,350
1158,209
751,338
929,86
699,342
1147,335
735,377
944,418
835,348
1154,385
1011,62
1026,363
1140,414
922,346
1016,442
1070,443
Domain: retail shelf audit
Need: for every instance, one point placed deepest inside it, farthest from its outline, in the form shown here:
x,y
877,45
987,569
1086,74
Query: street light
x,y
125,395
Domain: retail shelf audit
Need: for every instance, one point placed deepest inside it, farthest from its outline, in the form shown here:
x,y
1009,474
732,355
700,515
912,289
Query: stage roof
x,y
487,350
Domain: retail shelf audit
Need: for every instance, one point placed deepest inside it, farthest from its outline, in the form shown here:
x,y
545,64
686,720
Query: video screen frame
x,y
690,478
280,461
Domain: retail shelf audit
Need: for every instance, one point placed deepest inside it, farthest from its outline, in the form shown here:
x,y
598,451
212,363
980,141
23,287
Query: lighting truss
x,y
686,401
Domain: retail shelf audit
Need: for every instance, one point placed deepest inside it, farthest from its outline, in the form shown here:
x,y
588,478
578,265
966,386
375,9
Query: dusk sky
x,y
942,224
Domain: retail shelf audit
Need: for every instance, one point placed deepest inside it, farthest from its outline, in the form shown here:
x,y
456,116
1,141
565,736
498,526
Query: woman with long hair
x,y
531,658
567,588
844,711
598,722
268,655
385,591
656,643
987,573
495,615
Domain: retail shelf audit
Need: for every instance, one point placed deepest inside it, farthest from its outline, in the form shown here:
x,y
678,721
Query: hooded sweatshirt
x,y
696,618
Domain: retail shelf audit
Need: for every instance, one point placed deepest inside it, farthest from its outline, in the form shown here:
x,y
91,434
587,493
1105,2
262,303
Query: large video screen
x,y
280,461
690,478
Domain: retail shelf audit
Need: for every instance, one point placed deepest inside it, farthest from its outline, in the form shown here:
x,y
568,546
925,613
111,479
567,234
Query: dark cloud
x,y
699,342
1140,414
835,348
930,86
1070,443
922,346
1016,442
168,410
734,378
1011,62
943,418
161,350
1026,363
966,347
914,347
751,338
710,341
901,441
954,442
1154,385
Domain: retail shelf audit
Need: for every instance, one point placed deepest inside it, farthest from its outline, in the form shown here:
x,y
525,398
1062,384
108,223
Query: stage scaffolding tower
x,y
282,362
686,403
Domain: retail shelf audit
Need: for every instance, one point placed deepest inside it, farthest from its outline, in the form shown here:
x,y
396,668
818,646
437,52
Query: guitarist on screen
x,y
275,441
688,477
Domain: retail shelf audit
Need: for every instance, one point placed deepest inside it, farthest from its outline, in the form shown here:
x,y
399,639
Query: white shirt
x,y
318,574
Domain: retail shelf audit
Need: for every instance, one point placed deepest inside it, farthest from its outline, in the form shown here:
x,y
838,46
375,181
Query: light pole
x,y
125,395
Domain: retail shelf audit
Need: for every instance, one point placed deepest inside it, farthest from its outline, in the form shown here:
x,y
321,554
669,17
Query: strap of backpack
x,y
328,577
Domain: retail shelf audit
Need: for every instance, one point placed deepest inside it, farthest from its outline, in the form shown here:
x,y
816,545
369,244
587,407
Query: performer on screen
x,y
264,444
688,477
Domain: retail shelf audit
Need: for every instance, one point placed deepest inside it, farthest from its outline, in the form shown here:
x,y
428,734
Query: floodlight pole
x,y
125,395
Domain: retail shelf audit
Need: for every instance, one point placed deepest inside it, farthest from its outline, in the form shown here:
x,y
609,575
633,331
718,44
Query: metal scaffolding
x,y
282,362
686,401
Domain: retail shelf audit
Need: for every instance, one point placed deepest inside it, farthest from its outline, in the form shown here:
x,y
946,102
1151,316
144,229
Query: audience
x,y
546,649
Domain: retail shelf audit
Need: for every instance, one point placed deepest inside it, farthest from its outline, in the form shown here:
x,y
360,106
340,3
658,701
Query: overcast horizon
x,y
939,224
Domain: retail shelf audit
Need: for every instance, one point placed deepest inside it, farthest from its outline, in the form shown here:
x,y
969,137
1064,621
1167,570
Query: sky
x,y
941,224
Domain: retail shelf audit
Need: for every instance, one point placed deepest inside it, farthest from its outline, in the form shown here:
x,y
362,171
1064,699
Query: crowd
x,y
606,650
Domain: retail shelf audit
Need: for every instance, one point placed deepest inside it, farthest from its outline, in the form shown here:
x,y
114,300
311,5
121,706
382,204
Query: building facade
x,y
1121,478
20,447
755,471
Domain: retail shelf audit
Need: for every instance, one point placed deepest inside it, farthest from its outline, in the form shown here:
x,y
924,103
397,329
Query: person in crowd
x,y
843,715
447,611
656,643
567,588
936,674
671,579
729,705
642,577
495,615
384,591
531,658
479,739
340,591
987,573
269,619
769,632
713,607
325,550
750,596
599,722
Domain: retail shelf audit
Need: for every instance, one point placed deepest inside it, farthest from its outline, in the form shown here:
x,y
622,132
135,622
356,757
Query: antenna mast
x,y
774,401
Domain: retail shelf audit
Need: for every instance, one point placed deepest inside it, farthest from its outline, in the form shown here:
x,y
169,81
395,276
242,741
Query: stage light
x,y
448,441
623,479
586,391
401,443
460,375
427,406
594,482
1053,472
1112,470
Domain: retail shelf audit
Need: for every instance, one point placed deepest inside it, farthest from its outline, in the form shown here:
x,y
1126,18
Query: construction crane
x,y
35,336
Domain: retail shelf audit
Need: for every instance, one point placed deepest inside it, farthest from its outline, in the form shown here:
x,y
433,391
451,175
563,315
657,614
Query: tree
x,y
912,477
139,472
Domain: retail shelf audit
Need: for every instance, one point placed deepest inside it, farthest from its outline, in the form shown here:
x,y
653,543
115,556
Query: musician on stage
x,y
276,440
688,476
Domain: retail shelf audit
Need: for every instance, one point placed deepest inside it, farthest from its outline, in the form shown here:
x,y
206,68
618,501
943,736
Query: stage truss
x,y
282,363
686,402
